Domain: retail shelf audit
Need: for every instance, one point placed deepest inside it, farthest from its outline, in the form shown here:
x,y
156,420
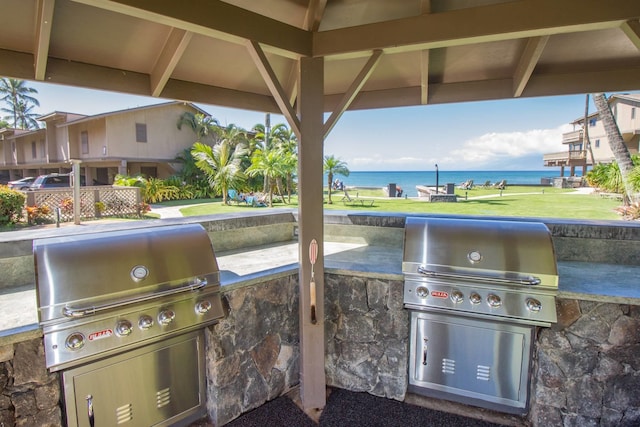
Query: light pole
x,y
437,177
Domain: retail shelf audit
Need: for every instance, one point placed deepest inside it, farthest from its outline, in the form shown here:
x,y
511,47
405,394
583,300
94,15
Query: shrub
x,y
631,212
607,176
142,208
37,214
11,204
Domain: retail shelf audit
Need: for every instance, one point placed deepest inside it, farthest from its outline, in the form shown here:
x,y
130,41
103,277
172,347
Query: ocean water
x,y
408,180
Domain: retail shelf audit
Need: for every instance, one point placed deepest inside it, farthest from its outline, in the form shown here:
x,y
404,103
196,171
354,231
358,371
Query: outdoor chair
x,y
487,184
253,201
234,196
501,185
355,200
467,185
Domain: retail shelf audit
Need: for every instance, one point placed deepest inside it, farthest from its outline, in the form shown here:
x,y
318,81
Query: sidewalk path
x,y
580,190
167,211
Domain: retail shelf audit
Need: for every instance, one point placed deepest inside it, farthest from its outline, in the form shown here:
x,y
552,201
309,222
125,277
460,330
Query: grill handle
x,y
90,410
528,281
87,311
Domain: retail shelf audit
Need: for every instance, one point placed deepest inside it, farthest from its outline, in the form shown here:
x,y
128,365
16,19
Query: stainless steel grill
x,y
122,314
476,290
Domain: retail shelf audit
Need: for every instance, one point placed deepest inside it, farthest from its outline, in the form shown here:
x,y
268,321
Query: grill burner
x,y
476,290
122,312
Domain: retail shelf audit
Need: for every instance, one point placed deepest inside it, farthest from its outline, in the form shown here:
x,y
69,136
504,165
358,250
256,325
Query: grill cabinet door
x,y
473,358
157,385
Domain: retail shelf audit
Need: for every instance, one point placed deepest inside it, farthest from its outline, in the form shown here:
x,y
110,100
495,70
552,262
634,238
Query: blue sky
x,y
489,135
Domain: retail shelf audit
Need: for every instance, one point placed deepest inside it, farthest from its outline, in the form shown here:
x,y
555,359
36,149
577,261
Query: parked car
x,y
21,184
53,180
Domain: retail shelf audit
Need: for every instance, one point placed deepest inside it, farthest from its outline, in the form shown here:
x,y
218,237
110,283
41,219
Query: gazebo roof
x,y
379,53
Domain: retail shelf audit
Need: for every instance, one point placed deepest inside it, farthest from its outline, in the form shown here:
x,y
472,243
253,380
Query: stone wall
x,y
367,332
29,394
588,368
253,354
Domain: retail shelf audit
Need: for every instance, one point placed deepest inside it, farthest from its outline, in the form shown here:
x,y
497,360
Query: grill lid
x,y
80,273
505,252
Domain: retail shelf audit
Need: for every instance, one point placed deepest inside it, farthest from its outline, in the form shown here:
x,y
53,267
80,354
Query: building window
x,y
597,143
34,150
592,122
43,149
141,132
84,141
633,113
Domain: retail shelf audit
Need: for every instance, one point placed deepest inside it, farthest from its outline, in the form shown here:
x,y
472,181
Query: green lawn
x,y
553,203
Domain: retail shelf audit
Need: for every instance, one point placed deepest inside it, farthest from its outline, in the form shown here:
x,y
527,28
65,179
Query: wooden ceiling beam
x,y
570,83
425,7
276,89
353,91
526,65
314,15
424,77
215,18
496,22
168,59
43,25
632,30
20,66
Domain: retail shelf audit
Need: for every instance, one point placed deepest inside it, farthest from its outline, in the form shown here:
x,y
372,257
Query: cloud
x,y
522,150
498,148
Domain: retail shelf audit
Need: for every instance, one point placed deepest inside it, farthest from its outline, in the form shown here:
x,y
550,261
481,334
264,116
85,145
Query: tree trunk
x,y
329,181
619,149
586,131
279,187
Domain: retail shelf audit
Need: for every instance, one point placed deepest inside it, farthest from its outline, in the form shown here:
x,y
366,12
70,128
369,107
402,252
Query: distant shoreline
x,y
409,180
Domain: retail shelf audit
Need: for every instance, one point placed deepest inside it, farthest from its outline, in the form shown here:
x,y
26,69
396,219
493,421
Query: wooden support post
x,y
311,226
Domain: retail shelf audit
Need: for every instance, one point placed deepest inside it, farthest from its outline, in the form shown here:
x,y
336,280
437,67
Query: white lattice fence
x,y
95,202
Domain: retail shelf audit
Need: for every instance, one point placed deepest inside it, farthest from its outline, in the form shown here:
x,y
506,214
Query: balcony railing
x,y
555,156
564,157
573,137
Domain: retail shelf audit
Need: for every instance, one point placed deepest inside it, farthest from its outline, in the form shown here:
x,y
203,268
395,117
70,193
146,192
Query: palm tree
x,y
268,163
26,118
619,149
192,175
18,96
205,127
285,141
334,166
233,135
221,164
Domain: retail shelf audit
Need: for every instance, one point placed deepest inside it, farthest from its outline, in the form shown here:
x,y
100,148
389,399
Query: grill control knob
x,y
494,301
475,298
533,305
166,316
145,322
422,291
457,297
124,328
203,306
75,341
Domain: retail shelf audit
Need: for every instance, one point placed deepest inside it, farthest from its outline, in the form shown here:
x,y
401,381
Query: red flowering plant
x,y
142,208
37,214
67,205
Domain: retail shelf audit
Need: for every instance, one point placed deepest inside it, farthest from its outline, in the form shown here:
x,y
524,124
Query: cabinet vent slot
x,y
124,413
163,397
